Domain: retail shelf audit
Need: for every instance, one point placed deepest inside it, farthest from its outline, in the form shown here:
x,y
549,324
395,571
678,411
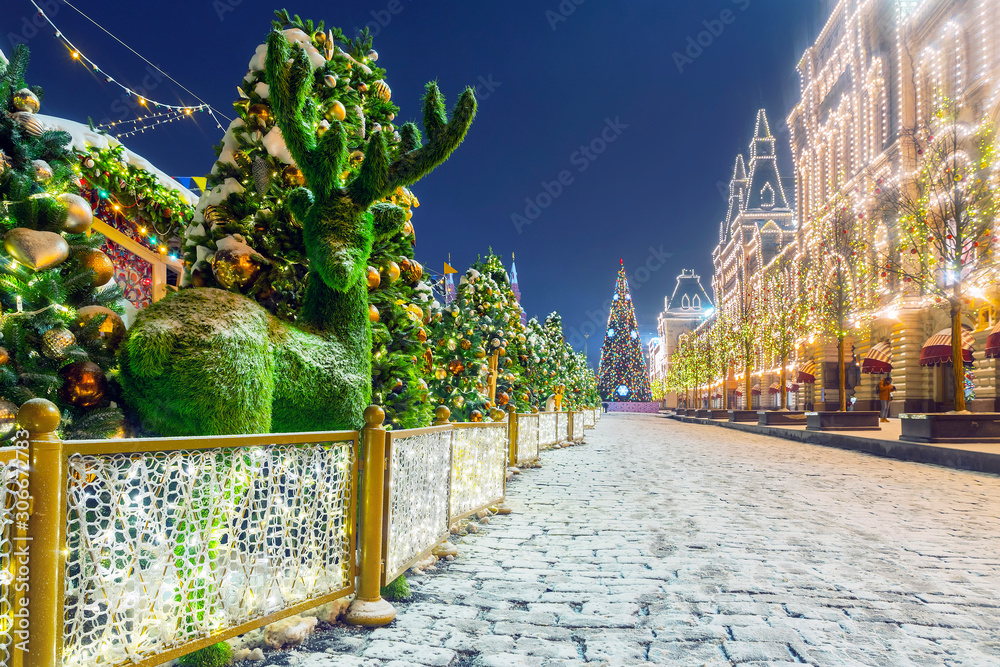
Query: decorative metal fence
x,y
160,547
417,496
562,427
478,467
172,545
527,438
576,427
548,428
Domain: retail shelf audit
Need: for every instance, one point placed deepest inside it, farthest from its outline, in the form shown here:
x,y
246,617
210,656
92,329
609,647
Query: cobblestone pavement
x,y
659,542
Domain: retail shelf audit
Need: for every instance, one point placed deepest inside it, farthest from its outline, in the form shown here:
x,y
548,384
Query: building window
x,y
685,302
767,196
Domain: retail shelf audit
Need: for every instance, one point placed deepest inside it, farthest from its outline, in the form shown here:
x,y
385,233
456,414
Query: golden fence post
x,y
369,608
46,530
441,416
512,434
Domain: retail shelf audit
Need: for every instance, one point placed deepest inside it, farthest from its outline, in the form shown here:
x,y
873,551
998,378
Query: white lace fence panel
x,y
548,433
478,467
527,438
13,477
589,418
164,548
562,431
416,496
576,423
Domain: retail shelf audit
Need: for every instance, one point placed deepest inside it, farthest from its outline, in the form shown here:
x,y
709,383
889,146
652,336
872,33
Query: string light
x,y
77,54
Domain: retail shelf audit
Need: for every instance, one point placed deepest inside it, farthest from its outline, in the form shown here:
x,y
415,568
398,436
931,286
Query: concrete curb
x,y
961,459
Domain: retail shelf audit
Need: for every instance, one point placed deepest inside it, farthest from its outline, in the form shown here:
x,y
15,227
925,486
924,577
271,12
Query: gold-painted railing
x,y
140,551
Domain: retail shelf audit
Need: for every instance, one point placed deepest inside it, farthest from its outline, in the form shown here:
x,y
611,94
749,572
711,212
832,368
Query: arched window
x,y
696,302
685,302
767,196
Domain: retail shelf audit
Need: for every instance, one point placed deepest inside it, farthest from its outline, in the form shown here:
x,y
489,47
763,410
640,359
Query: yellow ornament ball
x,y
440,373
476,416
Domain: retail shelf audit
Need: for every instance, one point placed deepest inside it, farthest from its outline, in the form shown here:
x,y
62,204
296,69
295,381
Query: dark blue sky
x,y
552,83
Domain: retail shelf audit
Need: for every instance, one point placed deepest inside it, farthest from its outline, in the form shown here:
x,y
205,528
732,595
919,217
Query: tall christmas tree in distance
x,y
623,375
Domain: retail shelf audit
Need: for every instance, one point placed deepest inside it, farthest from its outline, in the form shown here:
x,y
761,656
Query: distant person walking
x,y
885,389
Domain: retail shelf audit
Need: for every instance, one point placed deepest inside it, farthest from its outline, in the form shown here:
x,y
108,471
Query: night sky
x,y
552,79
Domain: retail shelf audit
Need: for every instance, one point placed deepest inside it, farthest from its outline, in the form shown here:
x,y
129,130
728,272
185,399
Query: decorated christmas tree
x,y
623,375
59,312
472,334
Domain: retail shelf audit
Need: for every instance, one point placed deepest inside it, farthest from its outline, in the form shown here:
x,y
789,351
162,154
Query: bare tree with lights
x,y
839,294
946,209
784,315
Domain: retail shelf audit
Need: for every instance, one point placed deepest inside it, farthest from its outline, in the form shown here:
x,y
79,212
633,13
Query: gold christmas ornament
x,y
373,314
362,87
213,214
25,100
330,81
466,344
37,250
43,172
233,265
337,111
109,333
372,55
28,123
56,341
79,215
4,162
458,401
381,90
497,415
476,416
84,384
5,356
415,271
99,263
293,176
502,398
407,228
392,271
259,116
373,278
421,336
452,344
455,366
480,353
440,373
414,311
356,158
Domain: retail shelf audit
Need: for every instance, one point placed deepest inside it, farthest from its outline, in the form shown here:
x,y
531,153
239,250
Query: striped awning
x,y
993,342
775,388
791,386
807,372
878,361
937,349
718,394
755,390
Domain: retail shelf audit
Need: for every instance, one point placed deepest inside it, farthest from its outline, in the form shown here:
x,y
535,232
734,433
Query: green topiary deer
x,y
207,361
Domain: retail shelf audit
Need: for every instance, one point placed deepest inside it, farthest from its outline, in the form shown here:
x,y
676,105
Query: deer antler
x,y
378,178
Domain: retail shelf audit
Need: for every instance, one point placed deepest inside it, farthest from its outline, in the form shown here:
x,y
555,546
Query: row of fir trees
x,y
922,237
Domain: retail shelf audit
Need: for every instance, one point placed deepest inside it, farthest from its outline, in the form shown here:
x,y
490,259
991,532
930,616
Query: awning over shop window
x,y
993,342
937,349
792,386
775,388
878,361
807,372
755,390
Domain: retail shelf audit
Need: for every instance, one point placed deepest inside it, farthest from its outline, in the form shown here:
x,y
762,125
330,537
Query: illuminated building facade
x,y
688,306
877,72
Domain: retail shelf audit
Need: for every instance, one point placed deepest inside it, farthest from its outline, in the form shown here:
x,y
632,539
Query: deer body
x,y
206,361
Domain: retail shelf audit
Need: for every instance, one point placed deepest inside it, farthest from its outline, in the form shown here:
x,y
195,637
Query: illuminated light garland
x,y
77,54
